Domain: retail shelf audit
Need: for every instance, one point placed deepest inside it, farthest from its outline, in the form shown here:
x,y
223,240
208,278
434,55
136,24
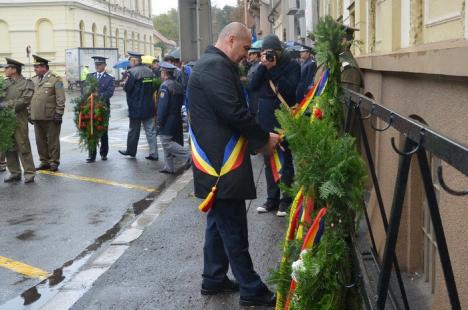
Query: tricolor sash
x,y
315,91
234,154
276,163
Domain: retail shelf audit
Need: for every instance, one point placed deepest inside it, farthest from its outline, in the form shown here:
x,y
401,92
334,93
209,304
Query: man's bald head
x,y
234,40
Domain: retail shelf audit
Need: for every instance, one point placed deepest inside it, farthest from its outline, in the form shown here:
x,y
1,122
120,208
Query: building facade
x,y
50,27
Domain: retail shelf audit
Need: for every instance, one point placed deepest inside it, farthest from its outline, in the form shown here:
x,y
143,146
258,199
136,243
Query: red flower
x,y
317,113
100,128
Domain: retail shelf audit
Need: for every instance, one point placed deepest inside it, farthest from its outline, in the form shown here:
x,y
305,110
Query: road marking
x,y
22,268
98,181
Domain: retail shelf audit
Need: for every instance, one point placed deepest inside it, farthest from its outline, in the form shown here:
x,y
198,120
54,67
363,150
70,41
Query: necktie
x,y
99,76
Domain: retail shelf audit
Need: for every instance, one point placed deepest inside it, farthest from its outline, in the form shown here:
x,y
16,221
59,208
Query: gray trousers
x,y
172,150
134,136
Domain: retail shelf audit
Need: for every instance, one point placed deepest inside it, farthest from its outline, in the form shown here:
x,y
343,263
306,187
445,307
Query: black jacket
x,y
285,75
218,110
308,69
139,89
169,118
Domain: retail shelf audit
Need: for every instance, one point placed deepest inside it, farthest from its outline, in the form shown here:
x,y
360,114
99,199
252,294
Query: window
x,y
44,36
93,28
125,49
144,44
82,34
104,36
5,35
117,38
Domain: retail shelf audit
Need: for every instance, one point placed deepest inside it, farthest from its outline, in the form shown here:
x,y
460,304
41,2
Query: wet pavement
x,y
58,222
162,268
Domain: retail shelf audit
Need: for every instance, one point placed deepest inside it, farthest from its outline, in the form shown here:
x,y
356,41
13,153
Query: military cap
x,y
11,62
39,60
98,60
134,54
167,66
349,31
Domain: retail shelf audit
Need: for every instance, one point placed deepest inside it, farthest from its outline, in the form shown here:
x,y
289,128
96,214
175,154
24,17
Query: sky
x,y
162,6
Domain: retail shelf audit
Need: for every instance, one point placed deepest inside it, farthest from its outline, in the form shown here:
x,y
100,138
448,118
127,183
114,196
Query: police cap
x,y
12,63
99,60
167,66
135,54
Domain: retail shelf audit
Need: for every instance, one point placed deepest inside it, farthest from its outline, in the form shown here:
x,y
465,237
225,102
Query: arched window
x,y
125,50
104,36
117,38
94,30
133,41
82,34
151,47
138,43
5,35
144,44
44,36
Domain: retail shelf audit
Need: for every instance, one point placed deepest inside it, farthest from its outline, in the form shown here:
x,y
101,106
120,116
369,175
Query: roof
x,y
163,39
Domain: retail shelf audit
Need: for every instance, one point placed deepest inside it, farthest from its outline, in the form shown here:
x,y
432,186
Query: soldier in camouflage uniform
x,y
47,108
19,92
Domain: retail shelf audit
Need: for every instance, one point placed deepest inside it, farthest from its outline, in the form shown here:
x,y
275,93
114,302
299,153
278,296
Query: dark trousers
x,y
226,242
287,177
103,148
134,136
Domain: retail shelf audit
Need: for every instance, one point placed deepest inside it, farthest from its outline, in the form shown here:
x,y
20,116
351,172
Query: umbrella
x,y
122,64
257,44
293,43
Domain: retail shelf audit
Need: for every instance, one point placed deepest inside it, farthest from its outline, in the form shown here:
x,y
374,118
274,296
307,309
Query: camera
x,y
270,55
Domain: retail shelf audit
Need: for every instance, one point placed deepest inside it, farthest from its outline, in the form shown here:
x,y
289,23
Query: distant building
x,y
52,26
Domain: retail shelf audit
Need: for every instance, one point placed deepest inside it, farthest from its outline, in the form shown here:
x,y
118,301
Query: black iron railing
x,y
418,140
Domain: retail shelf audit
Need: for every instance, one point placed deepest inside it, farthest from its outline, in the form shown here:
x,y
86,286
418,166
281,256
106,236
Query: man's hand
x,y
265,62
57,118
273,141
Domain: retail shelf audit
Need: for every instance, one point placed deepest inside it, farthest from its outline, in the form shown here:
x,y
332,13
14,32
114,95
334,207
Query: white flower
x,y
297,267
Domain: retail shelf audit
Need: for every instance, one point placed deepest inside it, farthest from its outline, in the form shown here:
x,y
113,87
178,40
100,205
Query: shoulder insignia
x,y
162,94
59,84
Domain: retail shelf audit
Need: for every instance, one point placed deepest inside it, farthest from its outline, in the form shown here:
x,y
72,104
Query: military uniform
x,y
106,86
47,108
18,96
351,76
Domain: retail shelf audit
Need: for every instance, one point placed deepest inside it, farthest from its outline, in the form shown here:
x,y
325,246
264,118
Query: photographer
x,y
276,80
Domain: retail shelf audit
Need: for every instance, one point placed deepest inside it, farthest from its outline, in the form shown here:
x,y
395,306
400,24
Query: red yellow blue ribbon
x,y
234,154
276,163
315,91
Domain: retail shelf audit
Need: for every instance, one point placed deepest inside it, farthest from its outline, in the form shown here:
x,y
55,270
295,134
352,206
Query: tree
x,y
168,24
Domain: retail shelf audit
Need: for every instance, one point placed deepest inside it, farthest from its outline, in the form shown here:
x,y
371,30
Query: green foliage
x,y
332,172
168,24
2,87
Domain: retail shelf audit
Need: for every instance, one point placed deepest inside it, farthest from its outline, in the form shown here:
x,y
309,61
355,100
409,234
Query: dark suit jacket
x,y
308,69
218,110
169,118
106,85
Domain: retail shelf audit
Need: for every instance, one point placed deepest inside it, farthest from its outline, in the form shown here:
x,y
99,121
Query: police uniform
x,y
47,108
106,86
169,120
141,108
308,68
18,96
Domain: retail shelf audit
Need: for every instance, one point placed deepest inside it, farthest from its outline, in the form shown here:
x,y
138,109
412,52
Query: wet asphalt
x,y
58,219
162,269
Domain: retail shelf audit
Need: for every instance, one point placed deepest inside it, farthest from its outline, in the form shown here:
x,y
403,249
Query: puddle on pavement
x,y
26,235
36,296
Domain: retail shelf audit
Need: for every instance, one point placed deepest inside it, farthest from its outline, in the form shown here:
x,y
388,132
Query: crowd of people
x,y
230,94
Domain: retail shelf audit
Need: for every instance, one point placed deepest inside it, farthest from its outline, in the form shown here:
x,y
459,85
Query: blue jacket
x,y
106,85
285,76
169,118
139,89
308,69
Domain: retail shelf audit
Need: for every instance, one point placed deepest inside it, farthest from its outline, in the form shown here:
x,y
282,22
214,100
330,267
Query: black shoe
x,y
266,300
124,153
53,168
268,207
104,157
227,287
166,171
90,160
151,157
43,167
283,208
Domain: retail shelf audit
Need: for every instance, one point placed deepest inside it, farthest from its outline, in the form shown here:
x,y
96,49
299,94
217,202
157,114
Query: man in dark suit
x,y
308,69
219,115
106,85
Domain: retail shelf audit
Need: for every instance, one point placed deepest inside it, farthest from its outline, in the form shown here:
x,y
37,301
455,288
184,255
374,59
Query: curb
x,y
82,281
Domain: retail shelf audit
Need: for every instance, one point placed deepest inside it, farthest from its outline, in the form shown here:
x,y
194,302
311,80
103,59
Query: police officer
x,y
106,86
308,68
169,119
47,108
254,60
141,107
19,92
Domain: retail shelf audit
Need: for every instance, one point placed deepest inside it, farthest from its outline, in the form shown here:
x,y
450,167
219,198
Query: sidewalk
x,y
162,268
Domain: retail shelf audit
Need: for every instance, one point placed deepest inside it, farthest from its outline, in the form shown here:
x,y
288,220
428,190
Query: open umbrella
x,y
175,53
122,64
257,44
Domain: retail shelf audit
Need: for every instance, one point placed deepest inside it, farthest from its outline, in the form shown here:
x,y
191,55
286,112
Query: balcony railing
x,y
419,141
